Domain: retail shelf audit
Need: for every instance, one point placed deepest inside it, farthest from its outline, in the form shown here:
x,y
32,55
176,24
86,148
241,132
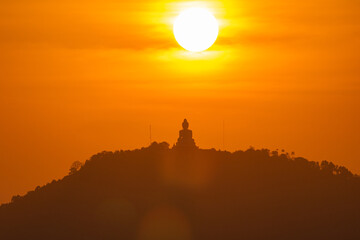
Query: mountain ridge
x,y
163,193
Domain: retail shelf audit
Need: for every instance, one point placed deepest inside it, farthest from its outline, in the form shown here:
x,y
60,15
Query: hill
x,y
162,193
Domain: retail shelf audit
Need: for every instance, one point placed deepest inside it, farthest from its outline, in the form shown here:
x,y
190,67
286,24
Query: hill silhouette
x,y
163,193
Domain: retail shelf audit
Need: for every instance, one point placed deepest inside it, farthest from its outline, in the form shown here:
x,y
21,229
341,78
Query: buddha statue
x,y
185,139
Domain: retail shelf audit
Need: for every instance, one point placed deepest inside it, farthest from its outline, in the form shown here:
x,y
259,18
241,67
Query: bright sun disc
x,y
196,29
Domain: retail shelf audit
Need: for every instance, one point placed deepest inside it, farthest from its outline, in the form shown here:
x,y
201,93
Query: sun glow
x,y
196,29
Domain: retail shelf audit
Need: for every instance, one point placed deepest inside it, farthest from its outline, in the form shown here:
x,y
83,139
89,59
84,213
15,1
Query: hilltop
x,y
180,193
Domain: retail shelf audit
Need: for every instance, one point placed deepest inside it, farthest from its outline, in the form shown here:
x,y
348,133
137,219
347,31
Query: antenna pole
x,y
223,135
150,134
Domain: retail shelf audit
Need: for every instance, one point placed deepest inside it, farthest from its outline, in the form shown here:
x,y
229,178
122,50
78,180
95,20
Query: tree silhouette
x,y
75,166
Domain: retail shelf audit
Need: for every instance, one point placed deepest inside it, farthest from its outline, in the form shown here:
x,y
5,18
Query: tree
x,y
328,167
344,172
75,166
15,198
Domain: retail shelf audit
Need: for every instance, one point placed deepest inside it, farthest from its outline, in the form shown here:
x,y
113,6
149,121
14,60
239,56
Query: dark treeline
x,y
157,193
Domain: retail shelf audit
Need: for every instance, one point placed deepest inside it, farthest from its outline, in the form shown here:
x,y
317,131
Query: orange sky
x,y
79,77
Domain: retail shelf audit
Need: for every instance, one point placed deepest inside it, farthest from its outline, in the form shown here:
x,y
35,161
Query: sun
x,y
196,29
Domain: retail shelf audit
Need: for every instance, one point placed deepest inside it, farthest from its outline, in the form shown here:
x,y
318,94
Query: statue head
x,y
185,124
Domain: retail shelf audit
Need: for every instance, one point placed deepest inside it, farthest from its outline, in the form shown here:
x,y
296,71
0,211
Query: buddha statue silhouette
x,y
185,139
